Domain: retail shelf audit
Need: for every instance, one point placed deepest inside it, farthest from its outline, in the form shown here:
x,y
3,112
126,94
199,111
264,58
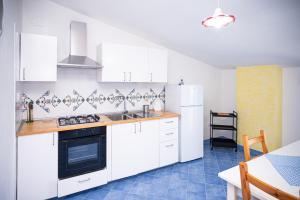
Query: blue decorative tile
x,y
115,195
175,194
180,168
159,189
196,196
212,169
133,197
144,178
77,196
196,178
179,175
141,189
97,194
195,170
212,179
197,188
215,198
215,191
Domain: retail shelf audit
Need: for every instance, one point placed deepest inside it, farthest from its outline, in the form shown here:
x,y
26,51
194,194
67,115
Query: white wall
x,y
44,17
7,106
291,105
228,90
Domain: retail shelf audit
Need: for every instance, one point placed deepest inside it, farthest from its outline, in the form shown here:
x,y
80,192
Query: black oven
x,y
81,151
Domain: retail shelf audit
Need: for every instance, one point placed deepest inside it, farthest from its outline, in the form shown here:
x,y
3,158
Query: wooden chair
x,y
247,178
248,142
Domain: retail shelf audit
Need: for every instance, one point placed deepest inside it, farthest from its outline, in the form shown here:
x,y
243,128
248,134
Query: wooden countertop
x,y
51,125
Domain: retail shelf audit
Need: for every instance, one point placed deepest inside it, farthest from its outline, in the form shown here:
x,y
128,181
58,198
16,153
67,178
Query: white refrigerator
x,y
187,100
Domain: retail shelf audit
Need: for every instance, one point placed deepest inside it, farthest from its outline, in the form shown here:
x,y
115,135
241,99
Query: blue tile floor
x,y
192,180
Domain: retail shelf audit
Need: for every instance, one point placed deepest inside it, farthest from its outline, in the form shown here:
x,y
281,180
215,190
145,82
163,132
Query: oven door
x,y
81,155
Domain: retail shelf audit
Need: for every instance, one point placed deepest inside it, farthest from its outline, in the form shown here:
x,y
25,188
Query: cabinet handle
x,y
169,133
151,76
134,128
124,76
130,76
53,139
24,73
140,127
85,180
169,145
169,122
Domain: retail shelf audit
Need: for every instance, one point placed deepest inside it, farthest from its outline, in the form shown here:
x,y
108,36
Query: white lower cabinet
x,y
168,152
168,137
135,148
37,167
148,146
124,141
132,148
82,182
169,124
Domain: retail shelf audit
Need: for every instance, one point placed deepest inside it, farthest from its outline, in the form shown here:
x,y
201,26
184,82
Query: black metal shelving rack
x,y
222,141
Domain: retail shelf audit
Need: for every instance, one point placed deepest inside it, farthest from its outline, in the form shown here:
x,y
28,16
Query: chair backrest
x,y
248,142
247,178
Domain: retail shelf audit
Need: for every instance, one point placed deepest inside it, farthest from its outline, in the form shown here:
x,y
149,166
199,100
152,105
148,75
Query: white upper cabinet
x,y
38,58
124,63
157,65
137,57
115,63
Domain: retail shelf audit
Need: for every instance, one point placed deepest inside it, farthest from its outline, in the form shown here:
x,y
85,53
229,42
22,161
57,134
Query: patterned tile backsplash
x,y
72,102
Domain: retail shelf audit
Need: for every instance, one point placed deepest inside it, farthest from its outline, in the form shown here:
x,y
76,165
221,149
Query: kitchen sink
x,y
122,116
133,115
146,115
118,116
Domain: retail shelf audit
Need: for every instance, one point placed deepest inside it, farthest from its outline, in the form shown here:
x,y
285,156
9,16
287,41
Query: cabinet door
x,y
148,145
37,166
157,65
124,150
38,58
168,152
114,61
138,66
123,63
191,145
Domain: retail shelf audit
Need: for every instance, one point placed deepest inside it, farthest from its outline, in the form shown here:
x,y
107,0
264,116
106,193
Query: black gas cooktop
x,y
81,119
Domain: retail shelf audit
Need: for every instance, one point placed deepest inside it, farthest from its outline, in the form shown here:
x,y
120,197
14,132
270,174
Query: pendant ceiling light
x,y
219,19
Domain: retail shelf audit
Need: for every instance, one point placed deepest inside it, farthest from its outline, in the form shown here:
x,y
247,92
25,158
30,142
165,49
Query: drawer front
x,y
82,182
168,124
168,153
166,135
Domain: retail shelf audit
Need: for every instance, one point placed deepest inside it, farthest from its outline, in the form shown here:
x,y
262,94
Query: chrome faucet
x,y
125,109
122,97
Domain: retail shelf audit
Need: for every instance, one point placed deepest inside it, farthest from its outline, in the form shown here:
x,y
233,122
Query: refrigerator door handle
x,y
191,106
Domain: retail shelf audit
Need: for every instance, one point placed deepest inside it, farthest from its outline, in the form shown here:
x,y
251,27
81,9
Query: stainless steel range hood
x,y
78,49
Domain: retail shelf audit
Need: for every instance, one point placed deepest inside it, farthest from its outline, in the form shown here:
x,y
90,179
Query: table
x,y
262,169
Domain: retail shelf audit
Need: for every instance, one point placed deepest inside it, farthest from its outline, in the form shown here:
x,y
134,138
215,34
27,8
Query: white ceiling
x,y
265,32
